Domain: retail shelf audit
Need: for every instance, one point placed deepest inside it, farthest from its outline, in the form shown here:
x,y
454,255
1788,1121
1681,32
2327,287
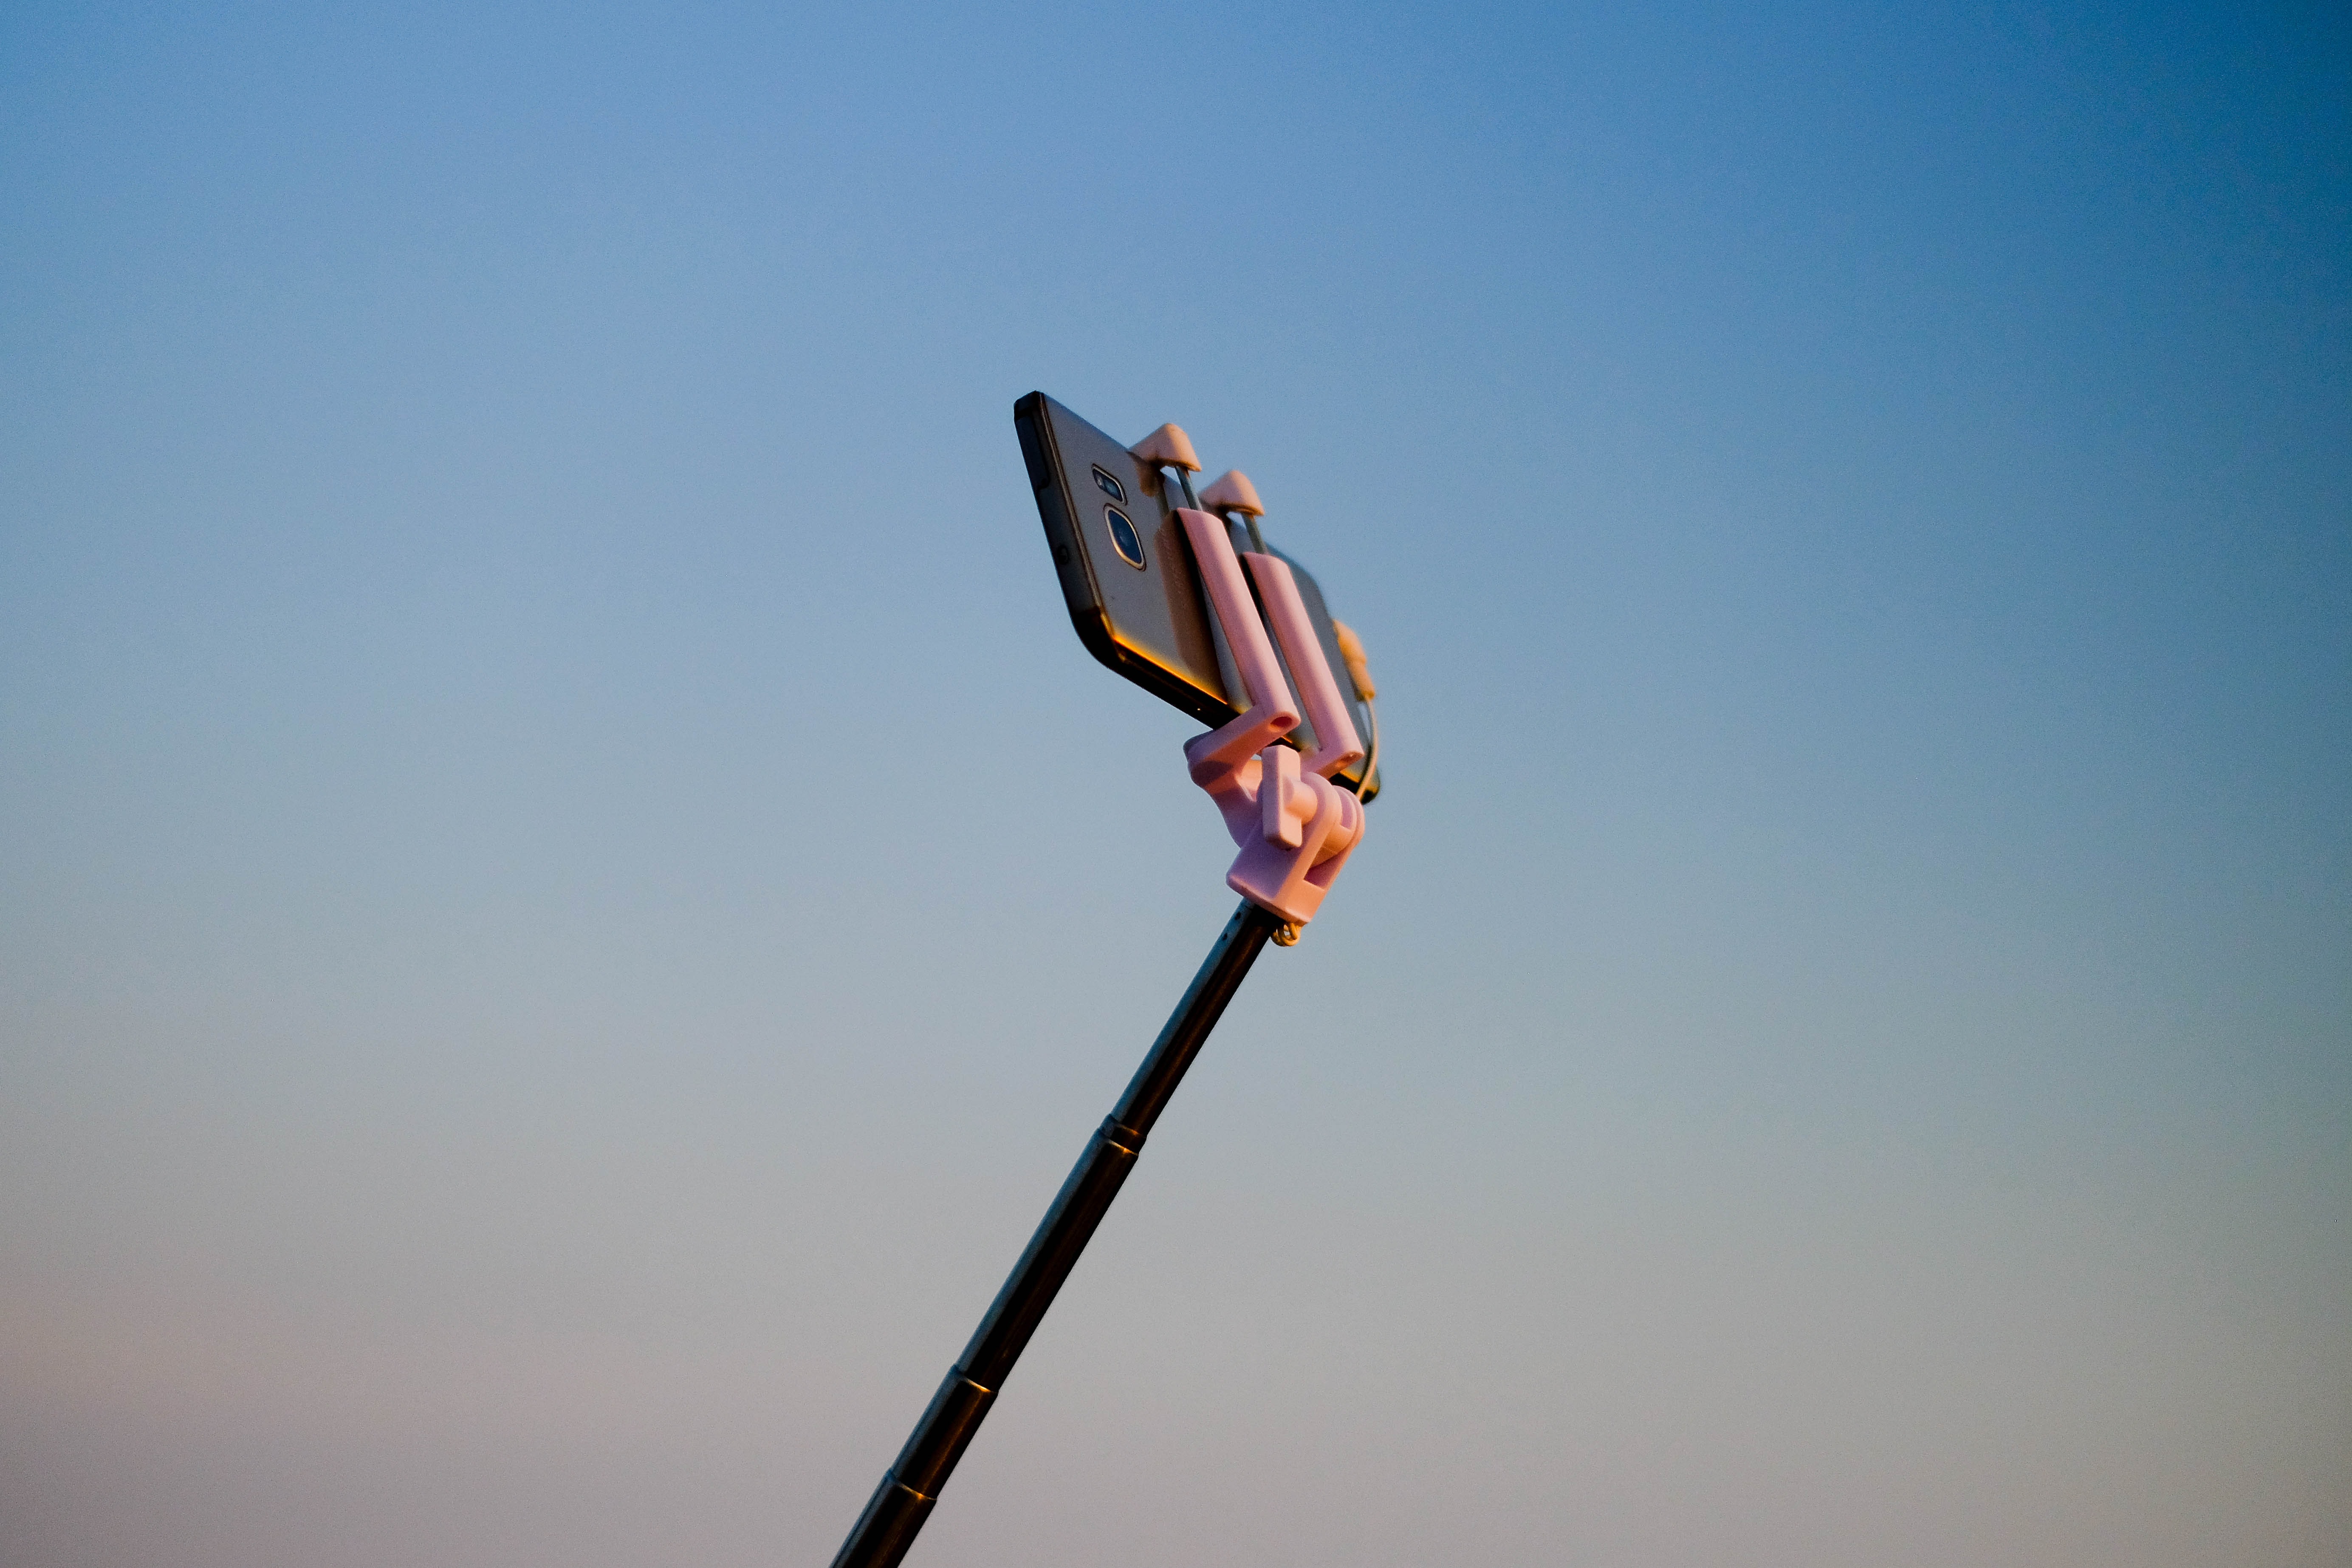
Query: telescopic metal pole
x,y
901,1504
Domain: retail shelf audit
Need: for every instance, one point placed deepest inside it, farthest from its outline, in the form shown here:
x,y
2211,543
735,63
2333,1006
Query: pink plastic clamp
x,y
1296,828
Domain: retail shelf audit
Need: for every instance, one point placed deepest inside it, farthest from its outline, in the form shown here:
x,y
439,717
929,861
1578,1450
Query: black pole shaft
x,y
901,1504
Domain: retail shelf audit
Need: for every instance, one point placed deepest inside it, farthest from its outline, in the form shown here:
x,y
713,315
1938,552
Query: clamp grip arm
x,y
1271,713
1296,828
1336,743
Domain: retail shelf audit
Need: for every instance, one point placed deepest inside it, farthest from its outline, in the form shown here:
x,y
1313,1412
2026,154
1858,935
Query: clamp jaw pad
x,y
1170,448
1233,492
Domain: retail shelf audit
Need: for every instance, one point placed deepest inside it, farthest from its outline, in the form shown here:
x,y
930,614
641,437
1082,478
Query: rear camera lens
x,y
1123,535
1110,486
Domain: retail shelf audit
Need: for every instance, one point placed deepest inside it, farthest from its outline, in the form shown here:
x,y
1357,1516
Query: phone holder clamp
x,y
1294,827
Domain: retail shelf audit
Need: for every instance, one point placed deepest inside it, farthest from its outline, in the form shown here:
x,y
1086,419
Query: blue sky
x,y
571,894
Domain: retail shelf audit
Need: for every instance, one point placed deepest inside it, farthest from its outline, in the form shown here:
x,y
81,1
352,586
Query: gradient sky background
x,y
567,895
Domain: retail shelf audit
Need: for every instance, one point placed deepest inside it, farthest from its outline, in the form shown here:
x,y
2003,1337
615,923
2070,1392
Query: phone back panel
x,y
1146,617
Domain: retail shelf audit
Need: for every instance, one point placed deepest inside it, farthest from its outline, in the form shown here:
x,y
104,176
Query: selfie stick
x,y
904,1500
1297,830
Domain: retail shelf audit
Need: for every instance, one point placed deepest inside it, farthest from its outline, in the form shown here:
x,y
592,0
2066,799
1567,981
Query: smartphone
x,y
1127,575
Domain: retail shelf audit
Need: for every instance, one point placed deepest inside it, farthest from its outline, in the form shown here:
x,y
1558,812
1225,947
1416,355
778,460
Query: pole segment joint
x,y
902,1502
